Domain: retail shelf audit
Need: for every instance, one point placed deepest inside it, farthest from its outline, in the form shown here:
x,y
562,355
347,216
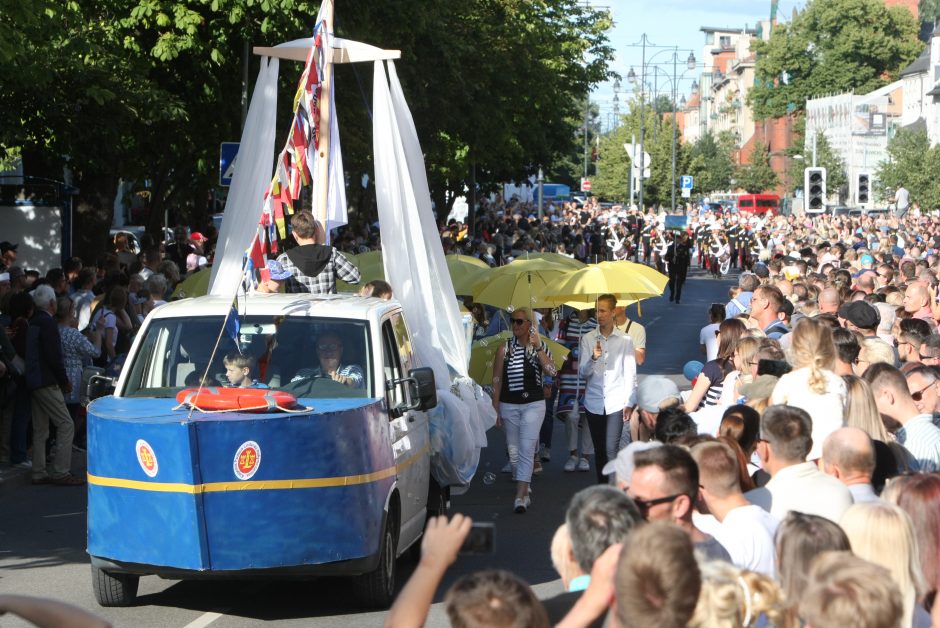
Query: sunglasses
x,y
645,504
519,321
917,396
928,357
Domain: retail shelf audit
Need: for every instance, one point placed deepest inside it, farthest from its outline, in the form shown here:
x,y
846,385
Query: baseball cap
x,y
622,465
653,391
7,246
198,237
861,314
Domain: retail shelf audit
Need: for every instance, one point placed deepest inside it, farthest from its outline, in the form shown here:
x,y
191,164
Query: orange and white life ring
x,y
215,399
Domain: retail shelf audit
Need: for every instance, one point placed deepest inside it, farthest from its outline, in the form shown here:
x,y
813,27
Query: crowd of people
x,y
797,481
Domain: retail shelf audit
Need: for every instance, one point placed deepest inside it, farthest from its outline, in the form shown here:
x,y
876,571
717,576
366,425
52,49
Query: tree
x,y
757,176
146,90
831,46
913,163
837,179
929,10
711,162
611,182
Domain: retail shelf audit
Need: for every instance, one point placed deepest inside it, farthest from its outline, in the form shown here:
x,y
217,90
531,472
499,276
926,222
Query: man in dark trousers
x,y
679,256
314,266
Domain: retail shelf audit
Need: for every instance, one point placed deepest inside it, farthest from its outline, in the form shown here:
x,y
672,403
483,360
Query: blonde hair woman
x,y
812,384
745,353
734,598
861,411
883,534
874,350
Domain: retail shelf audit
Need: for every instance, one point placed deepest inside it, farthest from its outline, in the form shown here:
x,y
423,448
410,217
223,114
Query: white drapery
x,y
416,269
251,178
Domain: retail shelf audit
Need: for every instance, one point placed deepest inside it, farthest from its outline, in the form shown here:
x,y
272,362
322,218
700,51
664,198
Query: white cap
x,y
622,465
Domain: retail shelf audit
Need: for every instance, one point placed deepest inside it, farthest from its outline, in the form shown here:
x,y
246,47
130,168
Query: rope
x,y
195,408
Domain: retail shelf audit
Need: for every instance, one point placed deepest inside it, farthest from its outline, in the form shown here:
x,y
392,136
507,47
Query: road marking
x,y
204,620
64,514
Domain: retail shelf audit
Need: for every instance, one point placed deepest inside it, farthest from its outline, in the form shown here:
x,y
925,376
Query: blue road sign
x,y
228,152
685,182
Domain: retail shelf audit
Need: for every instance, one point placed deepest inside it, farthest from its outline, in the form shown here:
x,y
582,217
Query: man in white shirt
x,y
849,456
608,366
902,201
918,434
84,297
745,530
785,440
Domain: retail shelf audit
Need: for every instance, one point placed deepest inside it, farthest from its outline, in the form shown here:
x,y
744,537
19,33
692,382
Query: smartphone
x,y
481,540
777,368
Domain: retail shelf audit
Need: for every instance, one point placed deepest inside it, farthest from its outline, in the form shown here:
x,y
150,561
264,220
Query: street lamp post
x,y
690,64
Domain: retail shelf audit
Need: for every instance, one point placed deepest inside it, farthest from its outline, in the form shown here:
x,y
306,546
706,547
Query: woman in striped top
x,y
711,381
519,398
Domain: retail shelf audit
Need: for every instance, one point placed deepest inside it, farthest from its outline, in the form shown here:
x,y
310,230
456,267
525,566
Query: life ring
x,y
214,399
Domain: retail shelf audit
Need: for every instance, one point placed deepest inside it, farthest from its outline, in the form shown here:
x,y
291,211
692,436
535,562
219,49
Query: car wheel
x,y
377,588
114,589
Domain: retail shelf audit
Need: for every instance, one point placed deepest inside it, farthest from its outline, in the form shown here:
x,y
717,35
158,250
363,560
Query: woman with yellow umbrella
x,y
519,397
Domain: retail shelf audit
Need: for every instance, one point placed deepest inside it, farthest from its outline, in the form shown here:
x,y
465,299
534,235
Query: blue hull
x,y
236,492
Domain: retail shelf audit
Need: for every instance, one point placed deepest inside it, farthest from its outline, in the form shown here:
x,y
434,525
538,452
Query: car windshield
x,y
308,357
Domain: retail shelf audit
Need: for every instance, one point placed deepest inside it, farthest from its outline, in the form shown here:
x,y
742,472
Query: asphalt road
x,y
42,529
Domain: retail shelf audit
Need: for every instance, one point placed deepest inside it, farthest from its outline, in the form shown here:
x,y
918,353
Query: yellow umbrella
x,y
558,258
465,271
626,280
462,269
196,285
517,284
370,267
483,355
587,304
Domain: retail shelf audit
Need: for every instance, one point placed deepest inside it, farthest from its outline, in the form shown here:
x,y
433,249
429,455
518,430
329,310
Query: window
x,y
393,366
293,354
724,42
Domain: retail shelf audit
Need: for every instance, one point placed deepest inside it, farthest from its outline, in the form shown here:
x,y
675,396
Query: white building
x,y
857,128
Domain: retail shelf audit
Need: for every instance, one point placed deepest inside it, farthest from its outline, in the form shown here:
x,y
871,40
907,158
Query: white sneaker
x,y
571,463
507,468
521,504
584,465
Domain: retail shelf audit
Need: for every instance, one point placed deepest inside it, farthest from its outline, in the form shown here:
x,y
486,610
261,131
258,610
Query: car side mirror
x,y
95,384
425,387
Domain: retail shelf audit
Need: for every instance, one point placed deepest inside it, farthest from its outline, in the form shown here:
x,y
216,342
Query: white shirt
x,y
826,409
802,488
747,532
863,493
902,198
708,338
611,379
83,300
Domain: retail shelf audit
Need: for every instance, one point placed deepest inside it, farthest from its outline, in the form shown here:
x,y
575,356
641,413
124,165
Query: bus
x,y
759,204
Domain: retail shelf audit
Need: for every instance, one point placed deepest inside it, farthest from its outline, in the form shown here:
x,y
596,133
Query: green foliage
x,y
711,162
832,46
147,89
913,163
826,157
929,10
612,183
757,176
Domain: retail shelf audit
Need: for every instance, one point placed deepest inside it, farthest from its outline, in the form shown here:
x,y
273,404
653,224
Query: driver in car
x,y
330,355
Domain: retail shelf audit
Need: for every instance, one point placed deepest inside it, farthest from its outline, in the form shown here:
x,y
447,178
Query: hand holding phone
x,y
481,539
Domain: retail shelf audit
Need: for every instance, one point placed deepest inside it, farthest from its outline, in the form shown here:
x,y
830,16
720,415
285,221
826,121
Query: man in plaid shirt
x,y
314,267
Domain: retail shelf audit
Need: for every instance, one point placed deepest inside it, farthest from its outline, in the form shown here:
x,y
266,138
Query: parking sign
x,y
685,182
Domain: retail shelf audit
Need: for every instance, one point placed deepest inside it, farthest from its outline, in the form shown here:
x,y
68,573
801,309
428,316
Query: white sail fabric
x,y
416,269
249,183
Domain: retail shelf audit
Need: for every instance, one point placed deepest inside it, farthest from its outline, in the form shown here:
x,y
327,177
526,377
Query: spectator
x,y
860,317
597,518
812,385
608,366
48,384
674,425
917,302
917,434
745,530
930,350
654,394
665,486
708,337
919,496
794,484
622,466
84,296
849,456
800,539
843,590
741,303
883,534
847,350
732,596
493,598
78,350
710,382
766,306
909,343
922,382
635,330
874,351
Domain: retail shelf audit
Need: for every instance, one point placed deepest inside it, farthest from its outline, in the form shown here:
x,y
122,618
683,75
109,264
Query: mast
x,y
323,148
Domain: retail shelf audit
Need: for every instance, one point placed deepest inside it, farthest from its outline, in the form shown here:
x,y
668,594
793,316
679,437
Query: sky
x,y
673,23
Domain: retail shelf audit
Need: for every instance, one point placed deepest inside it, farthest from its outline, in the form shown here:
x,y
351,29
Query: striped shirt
x,y
523,374
922,438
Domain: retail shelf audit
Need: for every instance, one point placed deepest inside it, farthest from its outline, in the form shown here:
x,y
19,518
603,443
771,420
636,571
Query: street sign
x,y
585,185
228,153
686,192
685,182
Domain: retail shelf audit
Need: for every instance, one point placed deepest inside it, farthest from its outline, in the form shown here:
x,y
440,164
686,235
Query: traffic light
x,y
814,188
863,188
